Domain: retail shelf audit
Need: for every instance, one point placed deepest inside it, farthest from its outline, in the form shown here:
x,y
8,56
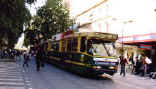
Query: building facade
x,y
133,20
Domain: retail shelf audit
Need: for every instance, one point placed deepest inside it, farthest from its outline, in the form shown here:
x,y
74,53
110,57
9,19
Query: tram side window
x,y
55,46
83,44
74,44
69,45
63,45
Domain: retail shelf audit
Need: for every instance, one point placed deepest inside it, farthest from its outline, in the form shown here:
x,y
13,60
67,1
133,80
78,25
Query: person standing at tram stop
x,y
123,63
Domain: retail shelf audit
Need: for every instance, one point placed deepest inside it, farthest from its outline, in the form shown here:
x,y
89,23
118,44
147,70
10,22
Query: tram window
x,y
90,49
63,45
74,44
55,46
83,44
69,45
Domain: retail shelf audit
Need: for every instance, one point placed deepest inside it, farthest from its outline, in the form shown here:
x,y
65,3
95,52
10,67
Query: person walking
x,y
145,62
43,55
123,63
26,59
132,64
38,59
134,70
144,65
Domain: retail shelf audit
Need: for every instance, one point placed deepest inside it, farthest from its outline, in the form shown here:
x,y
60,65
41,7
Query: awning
x,y
149,39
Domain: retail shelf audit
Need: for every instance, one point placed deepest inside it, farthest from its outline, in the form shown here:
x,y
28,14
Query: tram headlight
x,y
113,60
111,67
97,67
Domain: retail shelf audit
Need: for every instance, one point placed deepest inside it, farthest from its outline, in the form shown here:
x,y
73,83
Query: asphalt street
x,y
14,76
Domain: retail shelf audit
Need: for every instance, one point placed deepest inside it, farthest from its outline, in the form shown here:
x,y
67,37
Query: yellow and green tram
x,y
86,53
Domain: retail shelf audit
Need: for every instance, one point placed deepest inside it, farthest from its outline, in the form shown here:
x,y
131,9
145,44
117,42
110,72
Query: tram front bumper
x,y
109,70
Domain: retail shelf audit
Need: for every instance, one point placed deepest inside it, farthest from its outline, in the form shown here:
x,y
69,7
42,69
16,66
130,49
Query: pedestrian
x,y
132,64
38,59
144,65
43,55
17,55
26,59
135,65
123,62
138,66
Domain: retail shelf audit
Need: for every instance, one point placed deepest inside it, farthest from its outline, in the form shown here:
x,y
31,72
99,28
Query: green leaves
x,y
13,15
51,19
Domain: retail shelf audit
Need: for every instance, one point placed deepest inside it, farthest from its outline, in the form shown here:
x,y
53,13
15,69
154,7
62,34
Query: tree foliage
x,y
13,15
54,20
51,19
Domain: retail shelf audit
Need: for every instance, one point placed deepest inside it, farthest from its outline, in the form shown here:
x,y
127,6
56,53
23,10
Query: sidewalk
x,y
130,75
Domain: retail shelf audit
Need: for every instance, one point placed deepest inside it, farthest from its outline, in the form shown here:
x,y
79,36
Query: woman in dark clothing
x,y
26,59
138,66
43,54
123,63
38,59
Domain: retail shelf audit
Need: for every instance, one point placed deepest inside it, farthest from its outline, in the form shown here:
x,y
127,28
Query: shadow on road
x,y
84,76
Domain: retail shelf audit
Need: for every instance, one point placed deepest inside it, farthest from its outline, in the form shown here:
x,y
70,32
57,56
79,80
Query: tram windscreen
x,y
102,49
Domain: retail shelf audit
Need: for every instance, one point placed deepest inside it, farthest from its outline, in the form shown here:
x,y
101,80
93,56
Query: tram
x,y
84,52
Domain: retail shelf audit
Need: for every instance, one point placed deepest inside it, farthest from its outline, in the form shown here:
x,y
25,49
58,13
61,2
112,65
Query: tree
x,y
55,18
51,19
14,15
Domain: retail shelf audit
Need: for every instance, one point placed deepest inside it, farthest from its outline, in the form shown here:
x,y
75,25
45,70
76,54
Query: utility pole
x,y
107,23
124,24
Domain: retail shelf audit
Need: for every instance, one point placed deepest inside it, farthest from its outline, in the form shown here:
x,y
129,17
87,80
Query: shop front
x,y
145,42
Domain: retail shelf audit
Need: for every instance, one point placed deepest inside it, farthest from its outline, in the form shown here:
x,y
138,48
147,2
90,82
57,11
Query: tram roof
x,y
98,35
90,35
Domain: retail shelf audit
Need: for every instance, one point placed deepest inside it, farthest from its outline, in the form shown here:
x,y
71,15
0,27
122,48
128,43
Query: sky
x,y
35,6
